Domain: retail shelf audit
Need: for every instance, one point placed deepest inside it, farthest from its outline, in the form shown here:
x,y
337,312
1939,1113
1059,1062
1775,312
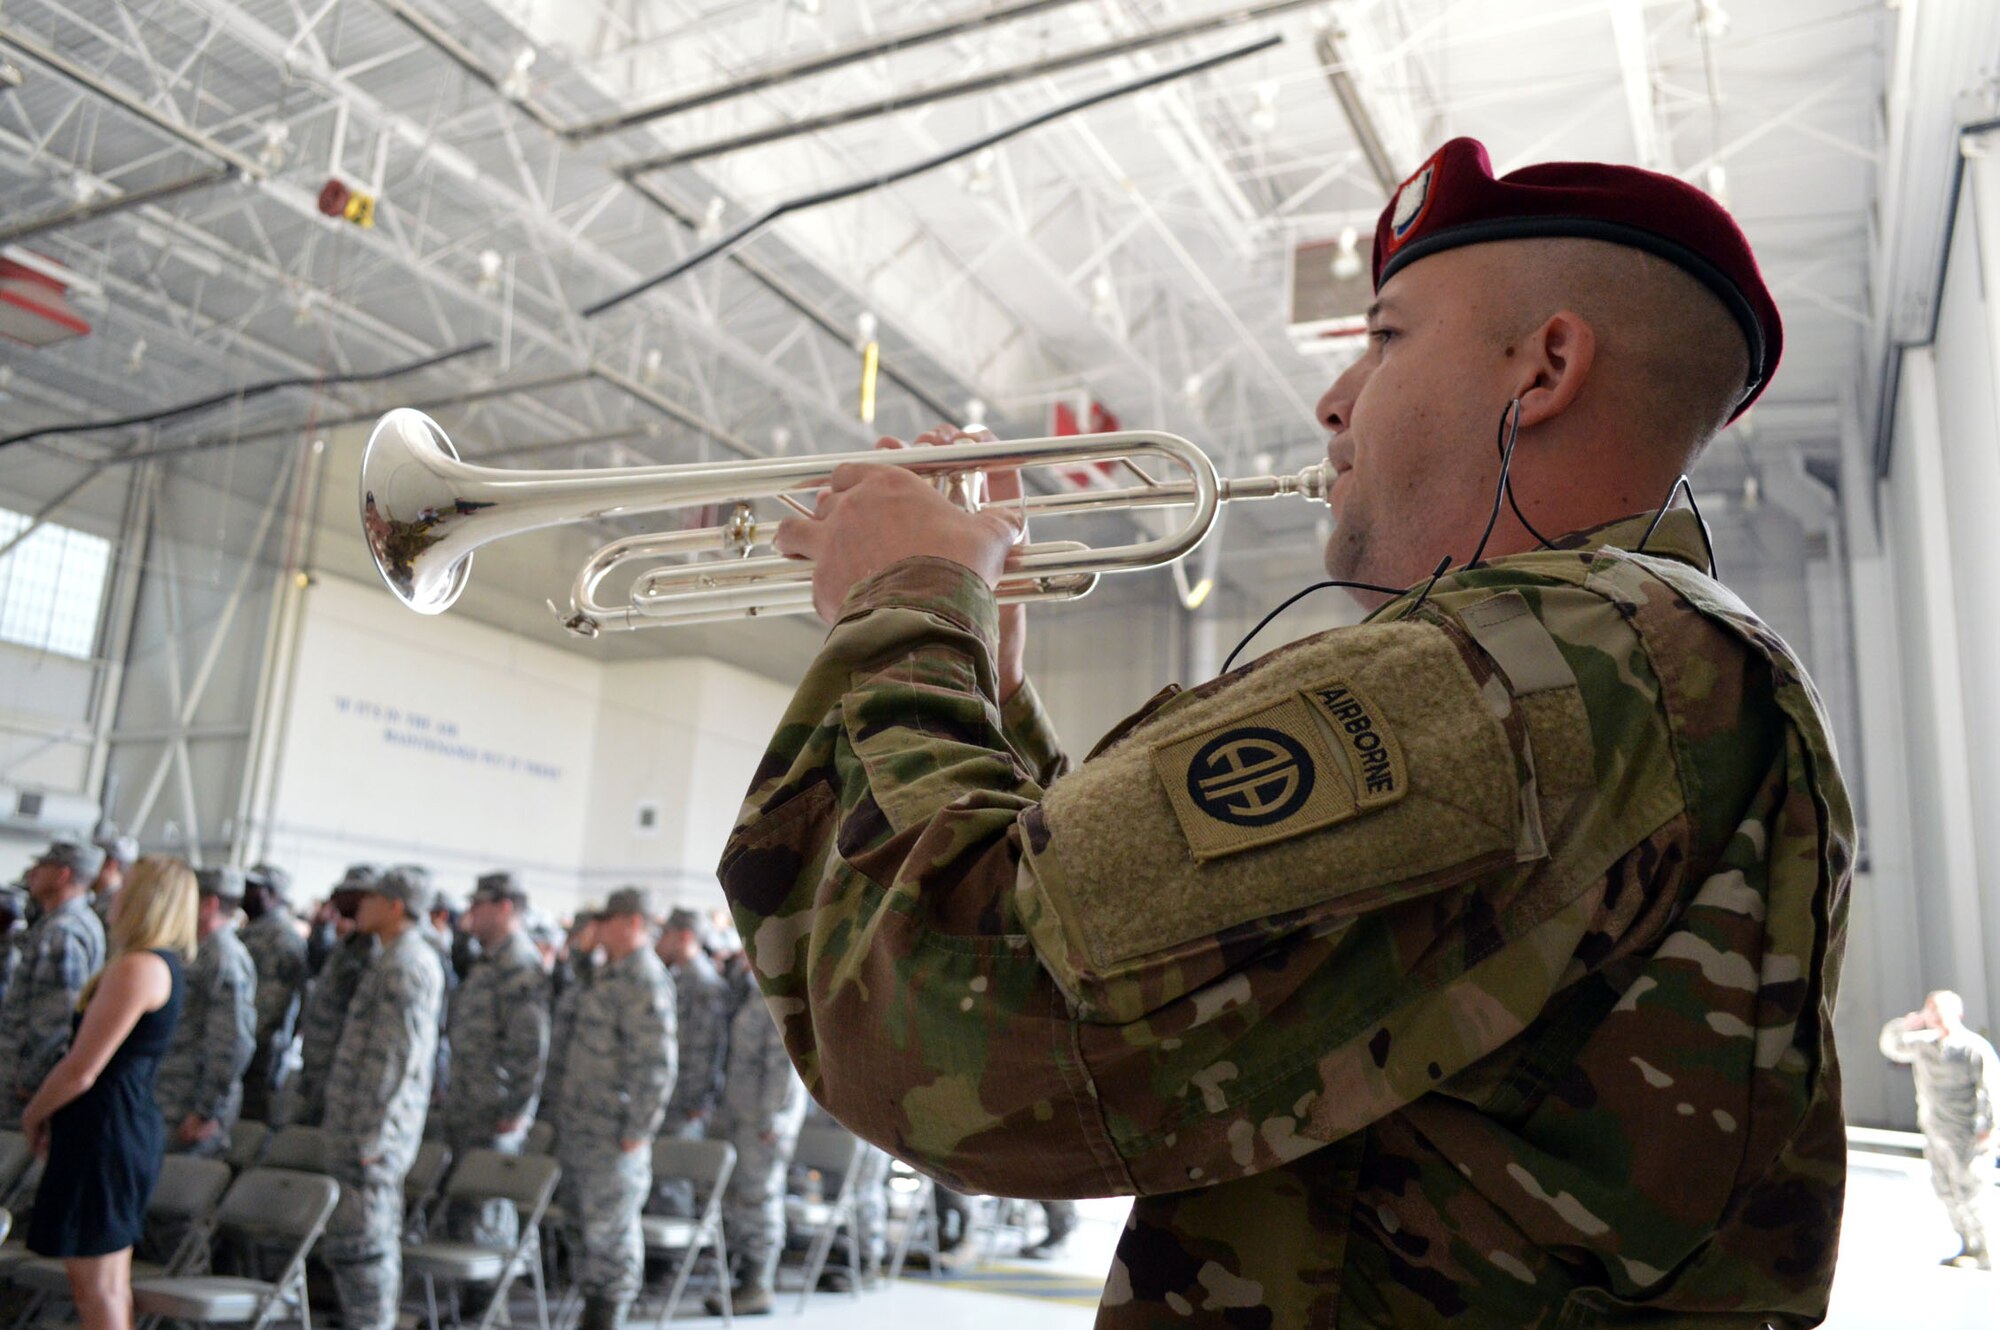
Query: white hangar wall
x,y
1926,644
446,742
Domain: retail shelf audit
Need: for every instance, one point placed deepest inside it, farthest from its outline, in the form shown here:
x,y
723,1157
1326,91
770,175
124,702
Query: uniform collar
x,y
1679,537
516,948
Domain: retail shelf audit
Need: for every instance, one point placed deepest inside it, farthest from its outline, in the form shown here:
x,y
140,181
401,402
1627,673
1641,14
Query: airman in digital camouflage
x,y
200,1082
618,1072
1958,1112
580,962
702,1008
500,1048
324,1015
278,951
1473,965
55,958
377,1096
763,1105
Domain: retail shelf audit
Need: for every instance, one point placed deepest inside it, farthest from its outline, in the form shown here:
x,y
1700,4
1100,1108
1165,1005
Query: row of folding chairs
x,y
194,1201
686,1242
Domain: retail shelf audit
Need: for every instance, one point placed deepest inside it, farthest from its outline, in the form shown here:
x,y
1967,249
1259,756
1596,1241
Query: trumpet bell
x,y
408,510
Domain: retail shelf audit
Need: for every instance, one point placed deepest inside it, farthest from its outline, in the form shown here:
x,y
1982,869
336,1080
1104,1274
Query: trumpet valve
x,y
739,534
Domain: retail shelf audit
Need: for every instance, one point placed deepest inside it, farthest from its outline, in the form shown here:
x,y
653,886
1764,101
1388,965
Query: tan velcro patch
x,y
1258,779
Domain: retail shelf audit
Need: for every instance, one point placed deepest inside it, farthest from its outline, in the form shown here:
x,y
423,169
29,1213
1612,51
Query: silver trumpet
x,y
424,513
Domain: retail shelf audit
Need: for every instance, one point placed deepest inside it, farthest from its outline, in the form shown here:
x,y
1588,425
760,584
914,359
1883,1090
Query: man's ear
x,y
1555,362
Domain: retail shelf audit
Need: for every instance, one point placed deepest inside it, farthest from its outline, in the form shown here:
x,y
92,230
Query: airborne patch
x,y
1374,758
1255,780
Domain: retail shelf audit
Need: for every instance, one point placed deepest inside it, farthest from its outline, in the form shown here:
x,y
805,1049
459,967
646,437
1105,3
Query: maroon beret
x,y
1453,200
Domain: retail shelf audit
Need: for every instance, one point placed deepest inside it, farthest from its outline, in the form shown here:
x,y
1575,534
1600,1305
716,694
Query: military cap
x,y
683,918
125,849
223,883
358,877
398,884
272,878
81,858
1453,199
500,886
627,900
418,874
445,901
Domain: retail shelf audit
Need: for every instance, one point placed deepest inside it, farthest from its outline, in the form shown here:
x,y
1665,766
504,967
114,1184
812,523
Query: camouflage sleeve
x,y
1034,740
58,975
524,1041
224,1047
280,1014
646,1047
1045,996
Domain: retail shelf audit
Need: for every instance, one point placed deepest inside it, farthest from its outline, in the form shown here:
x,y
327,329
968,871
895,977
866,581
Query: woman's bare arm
x,y
132,986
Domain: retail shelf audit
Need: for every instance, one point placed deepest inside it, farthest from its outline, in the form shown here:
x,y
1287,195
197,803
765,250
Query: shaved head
x,y
1669,355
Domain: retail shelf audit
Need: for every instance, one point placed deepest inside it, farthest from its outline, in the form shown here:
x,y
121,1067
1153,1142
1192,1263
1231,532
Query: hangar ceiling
x,y
171,154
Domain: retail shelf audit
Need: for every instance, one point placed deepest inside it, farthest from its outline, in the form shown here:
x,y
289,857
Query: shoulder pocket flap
x,y
1142,862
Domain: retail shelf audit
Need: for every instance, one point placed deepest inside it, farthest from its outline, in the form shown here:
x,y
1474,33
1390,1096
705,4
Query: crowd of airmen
x,y
384,1015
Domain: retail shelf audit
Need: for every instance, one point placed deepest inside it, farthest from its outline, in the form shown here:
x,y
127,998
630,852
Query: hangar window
x,y
51,586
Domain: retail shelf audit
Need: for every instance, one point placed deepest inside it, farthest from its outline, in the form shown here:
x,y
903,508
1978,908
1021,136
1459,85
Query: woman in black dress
x,y
95,1119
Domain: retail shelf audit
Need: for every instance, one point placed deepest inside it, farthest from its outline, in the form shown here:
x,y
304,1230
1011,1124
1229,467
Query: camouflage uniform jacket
x,y
202,1072
58,954
323,1018
499,1039
1475,964
702,1010
279,953
618,1069
379,1088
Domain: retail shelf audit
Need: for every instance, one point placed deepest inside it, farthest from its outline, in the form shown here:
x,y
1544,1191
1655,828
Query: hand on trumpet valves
x,y
1003,489
870,517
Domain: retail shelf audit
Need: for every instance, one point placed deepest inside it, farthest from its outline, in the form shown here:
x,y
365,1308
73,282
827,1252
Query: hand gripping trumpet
x,y
424,513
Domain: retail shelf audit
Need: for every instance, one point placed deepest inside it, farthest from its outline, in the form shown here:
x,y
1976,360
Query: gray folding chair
x,y
247,1140
923,1218
179,1220
829,1149
422,1184
304,1149
541,1138
265,1205
707,1165
20,1200
526,1182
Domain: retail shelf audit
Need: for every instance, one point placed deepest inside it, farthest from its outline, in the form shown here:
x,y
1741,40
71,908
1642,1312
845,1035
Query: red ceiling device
x,y
34,301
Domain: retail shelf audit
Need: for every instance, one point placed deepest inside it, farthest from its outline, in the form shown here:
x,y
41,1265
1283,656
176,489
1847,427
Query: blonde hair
x,y
155,909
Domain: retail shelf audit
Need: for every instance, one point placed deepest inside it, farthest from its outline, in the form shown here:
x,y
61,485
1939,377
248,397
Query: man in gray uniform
x,y
581,965
325,1013
500,1046
702,1009
200,1084
58,954
617,1075
763,1103
1958,1096
13,913
376,1098
120,853
278,950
